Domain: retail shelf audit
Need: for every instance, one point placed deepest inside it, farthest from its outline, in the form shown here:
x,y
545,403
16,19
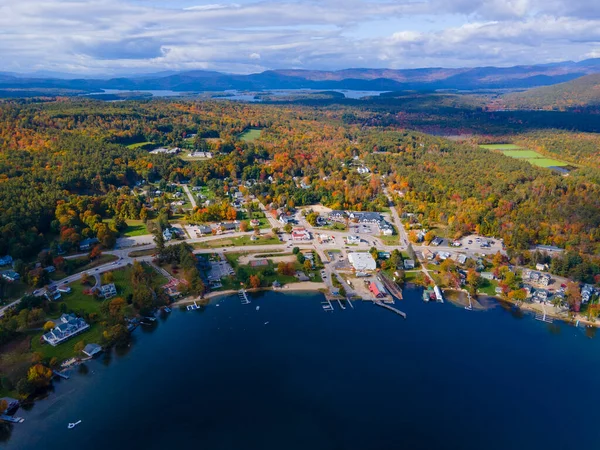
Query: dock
x,y
64,376
243,297
543,318
11,419
326,305
391,308
193,307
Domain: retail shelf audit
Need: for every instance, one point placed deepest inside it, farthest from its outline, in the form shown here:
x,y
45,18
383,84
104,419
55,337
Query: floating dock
x,y
193,307
391,308
243,297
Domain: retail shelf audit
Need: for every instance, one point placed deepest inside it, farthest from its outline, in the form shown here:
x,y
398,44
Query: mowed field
x,y
532,157
250,135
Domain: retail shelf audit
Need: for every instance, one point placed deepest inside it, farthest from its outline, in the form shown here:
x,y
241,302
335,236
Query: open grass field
x,y
547,162
135,228
140,144
251,134
501,146
238,241
524,154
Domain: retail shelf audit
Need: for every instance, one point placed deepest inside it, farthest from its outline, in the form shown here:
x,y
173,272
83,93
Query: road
x,y
368,241
189,194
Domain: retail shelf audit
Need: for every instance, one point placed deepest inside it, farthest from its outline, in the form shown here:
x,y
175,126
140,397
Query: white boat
x,y
257,308
73,425
266,323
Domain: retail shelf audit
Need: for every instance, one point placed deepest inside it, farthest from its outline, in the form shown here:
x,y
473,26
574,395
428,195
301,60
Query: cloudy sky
x,y
244,36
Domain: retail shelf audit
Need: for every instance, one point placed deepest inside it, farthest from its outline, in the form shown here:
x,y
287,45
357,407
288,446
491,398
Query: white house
x,y
70,325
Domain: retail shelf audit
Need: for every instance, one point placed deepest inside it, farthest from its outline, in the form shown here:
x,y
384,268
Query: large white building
x,y
362,261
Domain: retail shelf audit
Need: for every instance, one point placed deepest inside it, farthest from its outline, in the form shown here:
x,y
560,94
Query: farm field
x,y
135,228
547,162
524,154
250,135
532,157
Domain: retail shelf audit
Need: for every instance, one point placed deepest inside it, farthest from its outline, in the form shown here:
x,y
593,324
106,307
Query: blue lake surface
x,y
361,378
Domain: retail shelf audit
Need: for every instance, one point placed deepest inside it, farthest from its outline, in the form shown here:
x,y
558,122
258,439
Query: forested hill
x,y
584,91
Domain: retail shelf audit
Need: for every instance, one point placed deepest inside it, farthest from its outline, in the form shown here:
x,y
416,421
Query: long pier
x,y
11,419
391,308
243,297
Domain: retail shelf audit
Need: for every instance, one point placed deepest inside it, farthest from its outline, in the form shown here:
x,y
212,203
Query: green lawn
x,y
238,241
522,154
488,287
500,146
135,228
139,144
547,162
65,350
251,134
390,240
13,291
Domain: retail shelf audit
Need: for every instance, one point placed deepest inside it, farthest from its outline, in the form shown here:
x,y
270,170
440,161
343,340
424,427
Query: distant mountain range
x,y
581,92
517,77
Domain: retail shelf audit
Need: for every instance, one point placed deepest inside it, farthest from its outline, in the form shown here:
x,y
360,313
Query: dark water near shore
x,y
362,378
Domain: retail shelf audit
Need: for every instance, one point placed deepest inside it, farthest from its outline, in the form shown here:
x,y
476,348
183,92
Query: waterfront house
x,y
69,326
362,261
276,284
92,349
377,289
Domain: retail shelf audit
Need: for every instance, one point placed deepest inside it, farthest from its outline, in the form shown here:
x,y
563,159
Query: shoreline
x,y
303,286
548,310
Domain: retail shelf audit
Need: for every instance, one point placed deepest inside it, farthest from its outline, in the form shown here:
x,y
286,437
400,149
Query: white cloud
x,y
121,36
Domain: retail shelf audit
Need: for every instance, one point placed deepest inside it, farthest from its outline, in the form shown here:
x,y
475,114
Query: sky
x,y
119,37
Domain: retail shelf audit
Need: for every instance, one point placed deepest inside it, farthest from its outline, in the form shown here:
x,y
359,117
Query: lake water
x,y
233,94
362,378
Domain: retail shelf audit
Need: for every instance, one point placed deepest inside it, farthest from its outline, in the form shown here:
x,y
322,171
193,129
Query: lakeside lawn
x,y
65,350
250,135
488,287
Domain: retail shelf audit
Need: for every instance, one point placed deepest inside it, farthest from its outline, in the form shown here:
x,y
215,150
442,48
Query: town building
x,y
69,326
300,234
338,216
353,240
377,289
409,264
362,261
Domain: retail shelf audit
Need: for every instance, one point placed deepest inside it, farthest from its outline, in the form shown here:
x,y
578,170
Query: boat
x,y
11,419
167,309
73,424
257,308
267,322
